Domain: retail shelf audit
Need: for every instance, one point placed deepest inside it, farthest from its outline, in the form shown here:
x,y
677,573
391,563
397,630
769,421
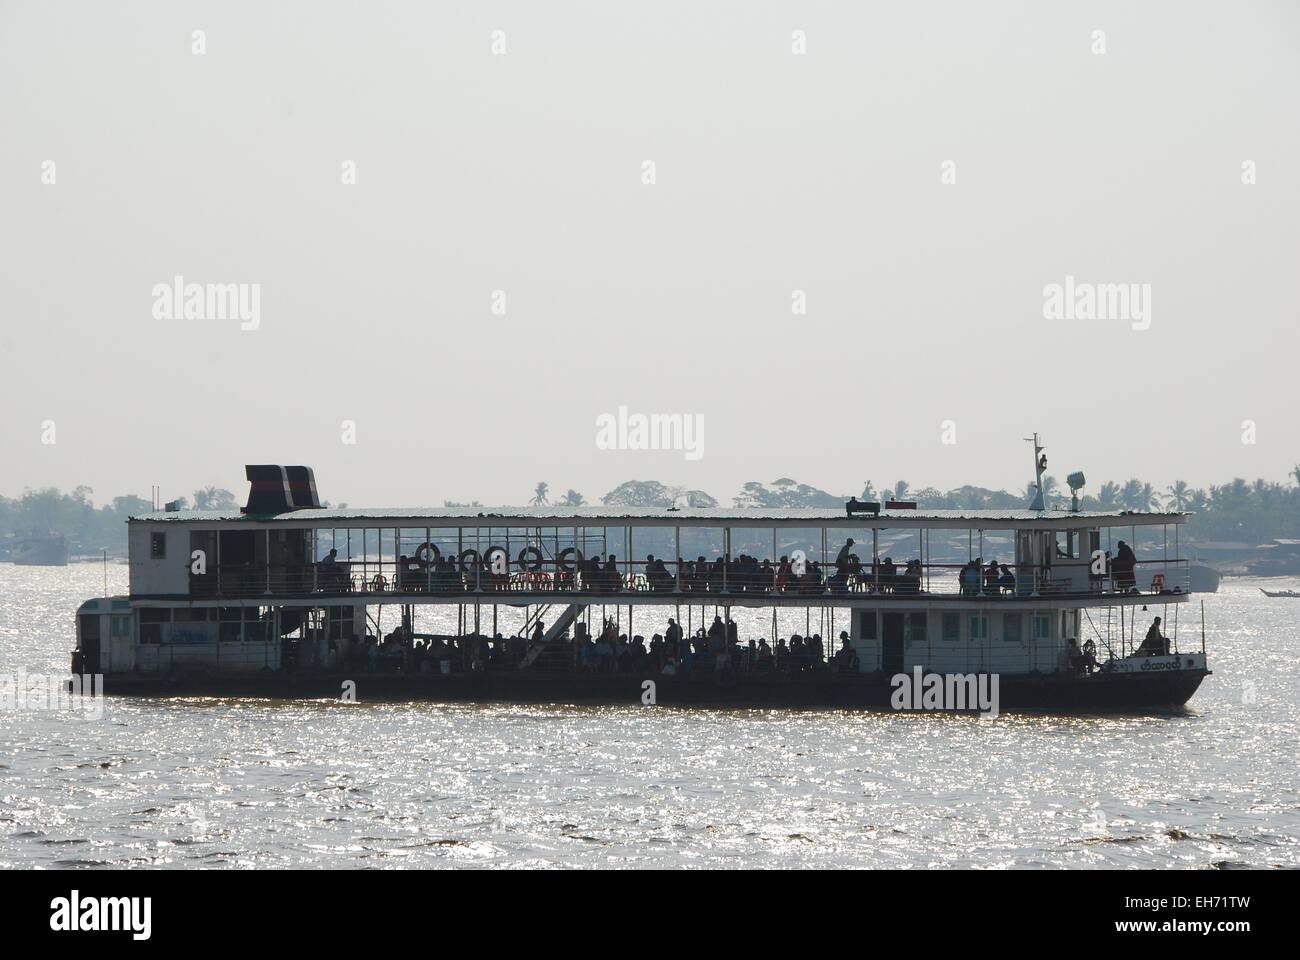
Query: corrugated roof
x,y
692,516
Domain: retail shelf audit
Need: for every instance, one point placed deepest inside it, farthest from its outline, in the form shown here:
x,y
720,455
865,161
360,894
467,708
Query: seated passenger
x,y
991,578
1006,580
1154,644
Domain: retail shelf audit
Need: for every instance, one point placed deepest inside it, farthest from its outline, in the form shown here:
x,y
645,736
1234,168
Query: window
x,y
1042,626
119,626
867,625
157,546
151,622
952,627
917,628
1012,627
978,626
228,631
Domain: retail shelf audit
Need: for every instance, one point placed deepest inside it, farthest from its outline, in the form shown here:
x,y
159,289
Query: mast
x,y
1040,467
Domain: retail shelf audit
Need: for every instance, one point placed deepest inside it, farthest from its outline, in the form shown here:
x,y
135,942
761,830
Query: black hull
x,y
1101,692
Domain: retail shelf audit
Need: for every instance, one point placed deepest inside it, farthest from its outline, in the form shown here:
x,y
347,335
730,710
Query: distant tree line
x,y
1239,511
91,529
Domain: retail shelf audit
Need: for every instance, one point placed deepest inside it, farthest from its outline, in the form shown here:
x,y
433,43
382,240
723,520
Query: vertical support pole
x,y
677,547
726,555
875,558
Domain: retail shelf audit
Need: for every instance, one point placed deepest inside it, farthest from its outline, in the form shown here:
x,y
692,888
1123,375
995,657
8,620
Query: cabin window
x,y
158,546
867,625
229,629
917,627
1042,626
952,627
978,626
89,626
1012,627
119,627
151,622
193,615
256,622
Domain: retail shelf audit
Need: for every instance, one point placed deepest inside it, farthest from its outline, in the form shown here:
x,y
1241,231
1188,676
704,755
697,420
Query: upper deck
x,y
786,556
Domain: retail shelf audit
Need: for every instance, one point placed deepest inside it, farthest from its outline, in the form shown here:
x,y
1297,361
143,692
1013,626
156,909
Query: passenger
x,y
842,558
846,658
814,650
909,581
613,582
539,632
991,579
717,636
766,576
1155,644
763,656
1006,580
658,656
1124,568
888,575
673,639
1074,656
968,578
784,572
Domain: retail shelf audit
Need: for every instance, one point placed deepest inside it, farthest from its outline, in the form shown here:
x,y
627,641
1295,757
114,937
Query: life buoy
x,y
563,562
424,548
530,565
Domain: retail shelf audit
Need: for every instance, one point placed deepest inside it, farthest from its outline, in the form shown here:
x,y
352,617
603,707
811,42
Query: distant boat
x,y
1203,579
49,551
1280,593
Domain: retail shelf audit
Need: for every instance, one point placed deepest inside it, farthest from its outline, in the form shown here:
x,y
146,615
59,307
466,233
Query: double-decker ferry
x,y
283,598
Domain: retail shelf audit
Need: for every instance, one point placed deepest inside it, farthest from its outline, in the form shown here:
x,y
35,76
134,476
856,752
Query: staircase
x,y
550,653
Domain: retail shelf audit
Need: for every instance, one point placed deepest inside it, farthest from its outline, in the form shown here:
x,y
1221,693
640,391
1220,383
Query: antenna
x,y
1040,467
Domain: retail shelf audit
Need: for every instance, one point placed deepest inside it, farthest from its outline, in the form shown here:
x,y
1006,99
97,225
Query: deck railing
x,y
1066,578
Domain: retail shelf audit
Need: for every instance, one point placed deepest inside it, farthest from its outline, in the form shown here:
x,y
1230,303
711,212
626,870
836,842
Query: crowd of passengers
x,y
743,574
668,654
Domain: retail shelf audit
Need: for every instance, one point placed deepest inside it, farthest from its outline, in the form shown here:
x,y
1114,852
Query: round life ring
x,y
429,548
530,559
563,562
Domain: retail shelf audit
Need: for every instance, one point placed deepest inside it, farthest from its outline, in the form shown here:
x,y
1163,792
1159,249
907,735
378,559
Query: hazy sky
x,y
524,172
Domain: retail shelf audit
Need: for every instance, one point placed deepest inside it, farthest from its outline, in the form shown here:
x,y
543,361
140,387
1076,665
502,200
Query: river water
x,y
245,783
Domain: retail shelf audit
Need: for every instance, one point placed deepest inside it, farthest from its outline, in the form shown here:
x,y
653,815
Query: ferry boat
x,y
283,598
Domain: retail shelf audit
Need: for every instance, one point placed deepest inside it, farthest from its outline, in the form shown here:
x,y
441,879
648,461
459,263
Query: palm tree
x,y
539,495
869,491
900,490
1108,495
573,498
1178,492
1131,494
1147,498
